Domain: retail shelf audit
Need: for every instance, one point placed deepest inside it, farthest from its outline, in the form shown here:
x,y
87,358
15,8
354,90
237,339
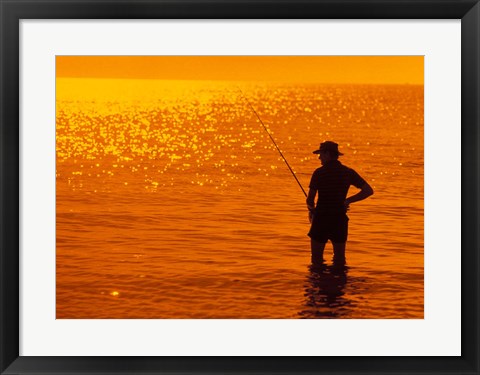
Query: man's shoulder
x,y
346,167
336,167
330,168
355,178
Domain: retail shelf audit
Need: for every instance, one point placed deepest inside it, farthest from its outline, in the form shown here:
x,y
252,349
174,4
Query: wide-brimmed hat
x,y
328,146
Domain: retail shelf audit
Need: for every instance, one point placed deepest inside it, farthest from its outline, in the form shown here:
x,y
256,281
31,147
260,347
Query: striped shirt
x,y
332,181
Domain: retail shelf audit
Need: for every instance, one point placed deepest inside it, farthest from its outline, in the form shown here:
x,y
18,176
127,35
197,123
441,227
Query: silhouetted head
x,y
328,151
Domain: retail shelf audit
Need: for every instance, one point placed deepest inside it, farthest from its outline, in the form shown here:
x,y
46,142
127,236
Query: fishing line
x,y
273,140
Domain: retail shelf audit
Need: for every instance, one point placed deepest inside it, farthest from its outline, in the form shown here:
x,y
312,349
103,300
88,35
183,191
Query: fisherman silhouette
x,y
329,220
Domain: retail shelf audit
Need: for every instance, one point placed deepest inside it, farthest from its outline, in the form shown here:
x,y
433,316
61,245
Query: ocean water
x,y
172,201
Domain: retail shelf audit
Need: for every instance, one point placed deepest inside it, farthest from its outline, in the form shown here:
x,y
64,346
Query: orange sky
x,y
315,69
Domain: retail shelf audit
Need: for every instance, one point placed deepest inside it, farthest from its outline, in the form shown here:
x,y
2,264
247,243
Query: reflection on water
x,y
325,292
172,201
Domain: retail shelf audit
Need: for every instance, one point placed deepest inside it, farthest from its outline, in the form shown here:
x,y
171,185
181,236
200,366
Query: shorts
x,y
333,228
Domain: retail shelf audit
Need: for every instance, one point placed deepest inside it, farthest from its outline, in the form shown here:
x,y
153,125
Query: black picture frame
x,y
12,11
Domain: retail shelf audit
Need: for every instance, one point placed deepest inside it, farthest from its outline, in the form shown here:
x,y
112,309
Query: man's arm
x,y
311,203
365,191
311,199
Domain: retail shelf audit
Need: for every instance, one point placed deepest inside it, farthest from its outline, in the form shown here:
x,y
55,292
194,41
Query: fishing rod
x,y
275,143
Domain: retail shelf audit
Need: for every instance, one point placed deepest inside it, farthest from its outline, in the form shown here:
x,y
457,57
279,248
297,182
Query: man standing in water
x,y
329,217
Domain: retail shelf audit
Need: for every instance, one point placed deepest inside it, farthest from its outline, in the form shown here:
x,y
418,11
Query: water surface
x,y
172,201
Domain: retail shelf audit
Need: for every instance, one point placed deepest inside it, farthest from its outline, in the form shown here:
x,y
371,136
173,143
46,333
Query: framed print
x,y
177,187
